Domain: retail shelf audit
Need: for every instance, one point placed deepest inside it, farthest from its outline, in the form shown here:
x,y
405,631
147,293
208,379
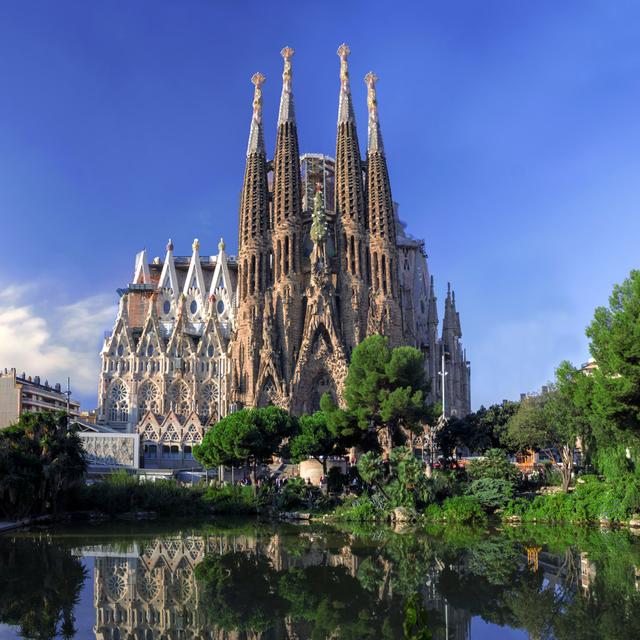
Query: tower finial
x,y
196,244
375,137
221,245
256,137
345,110
286,101
170,245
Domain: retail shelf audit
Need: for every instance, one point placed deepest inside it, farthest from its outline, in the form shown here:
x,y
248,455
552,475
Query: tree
x,y
479,431
248,436
314,440
552,420
41,460
615,345
384,390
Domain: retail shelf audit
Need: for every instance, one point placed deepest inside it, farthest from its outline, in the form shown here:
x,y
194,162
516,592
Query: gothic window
x,y
120,350
170,435
166,307
194,307
210,349
179,398
148,398
118,402
150,350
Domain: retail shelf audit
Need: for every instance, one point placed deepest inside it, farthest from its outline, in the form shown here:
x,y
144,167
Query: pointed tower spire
x,y
374,142
351,221
286,112
345,105
432,310
256,135
287,184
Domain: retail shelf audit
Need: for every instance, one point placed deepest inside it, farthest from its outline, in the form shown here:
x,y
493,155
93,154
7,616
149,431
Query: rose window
x,y
148,398
116,582
118,402
148,586
208,401
179,398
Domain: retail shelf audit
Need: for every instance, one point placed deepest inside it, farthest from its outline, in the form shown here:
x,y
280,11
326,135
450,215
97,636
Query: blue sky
x,y
511,130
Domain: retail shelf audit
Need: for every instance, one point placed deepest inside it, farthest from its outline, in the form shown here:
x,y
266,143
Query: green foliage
x,y
491,493
615,345
231,499
478,431
123,493
592,501
385,388
552,420
41,584
493,465
40,463
248,436
361,509
314,440
457,510
399,482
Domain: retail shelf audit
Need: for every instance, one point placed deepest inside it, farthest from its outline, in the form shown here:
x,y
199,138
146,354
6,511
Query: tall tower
x,y
351,220
286,234
252,257
384,310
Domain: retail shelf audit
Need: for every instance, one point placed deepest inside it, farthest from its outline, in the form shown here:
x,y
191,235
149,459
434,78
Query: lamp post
x,y
443,373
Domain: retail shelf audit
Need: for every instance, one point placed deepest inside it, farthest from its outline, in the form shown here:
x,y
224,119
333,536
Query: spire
x,y
374,142
168,277
382,217
287,112
448,321
253,203
345,106
287,183
432,310
256,135
349,191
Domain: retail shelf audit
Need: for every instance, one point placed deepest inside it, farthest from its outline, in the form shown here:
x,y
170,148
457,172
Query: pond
x,y
242,579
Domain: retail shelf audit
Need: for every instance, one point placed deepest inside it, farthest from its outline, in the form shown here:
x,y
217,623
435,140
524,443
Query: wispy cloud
x,y
54,342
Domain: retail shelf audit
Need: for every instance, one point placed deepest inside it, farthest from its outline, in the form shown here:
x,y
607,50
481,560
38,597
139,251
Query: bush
x,y
491,493
495,465
362,509
231,499
121,493
463,510
456,510
592,501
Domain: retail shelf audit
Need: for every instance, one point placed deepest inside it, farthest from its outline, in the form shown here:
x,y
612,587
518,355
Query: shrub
x,y
592,501
491,493
121,493
362,509
495,465
231,499
463,510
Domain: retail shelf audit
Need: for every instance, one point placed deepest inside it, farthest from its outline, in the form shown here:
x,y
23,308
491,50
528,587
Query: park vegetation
x,y
384,415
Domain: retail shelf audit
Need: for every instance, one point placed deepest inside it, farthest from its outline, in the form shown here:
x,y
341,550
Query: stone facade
x,y
199,336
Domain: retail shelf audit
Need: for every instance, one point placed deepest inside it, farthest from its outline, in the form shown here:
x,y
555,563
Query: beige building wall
x,y
9,400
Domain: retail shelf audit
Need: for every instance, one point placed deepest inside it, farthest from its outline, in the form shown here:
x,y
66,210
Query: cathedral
x,y
323,261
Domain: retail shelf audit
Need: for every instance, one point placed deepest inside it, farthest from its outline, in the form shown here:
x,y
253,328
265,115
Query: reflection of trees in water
x,y
40,585
322,583
316,582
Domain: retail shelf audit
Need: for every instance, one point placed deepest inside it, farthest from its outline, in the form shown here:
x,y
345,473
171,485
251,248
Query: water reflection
x,y
263,582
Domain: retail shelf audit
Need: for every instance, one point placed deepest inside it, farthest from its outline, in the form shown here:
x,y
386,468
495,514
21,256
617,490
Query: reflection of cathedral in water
x,y
150,592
